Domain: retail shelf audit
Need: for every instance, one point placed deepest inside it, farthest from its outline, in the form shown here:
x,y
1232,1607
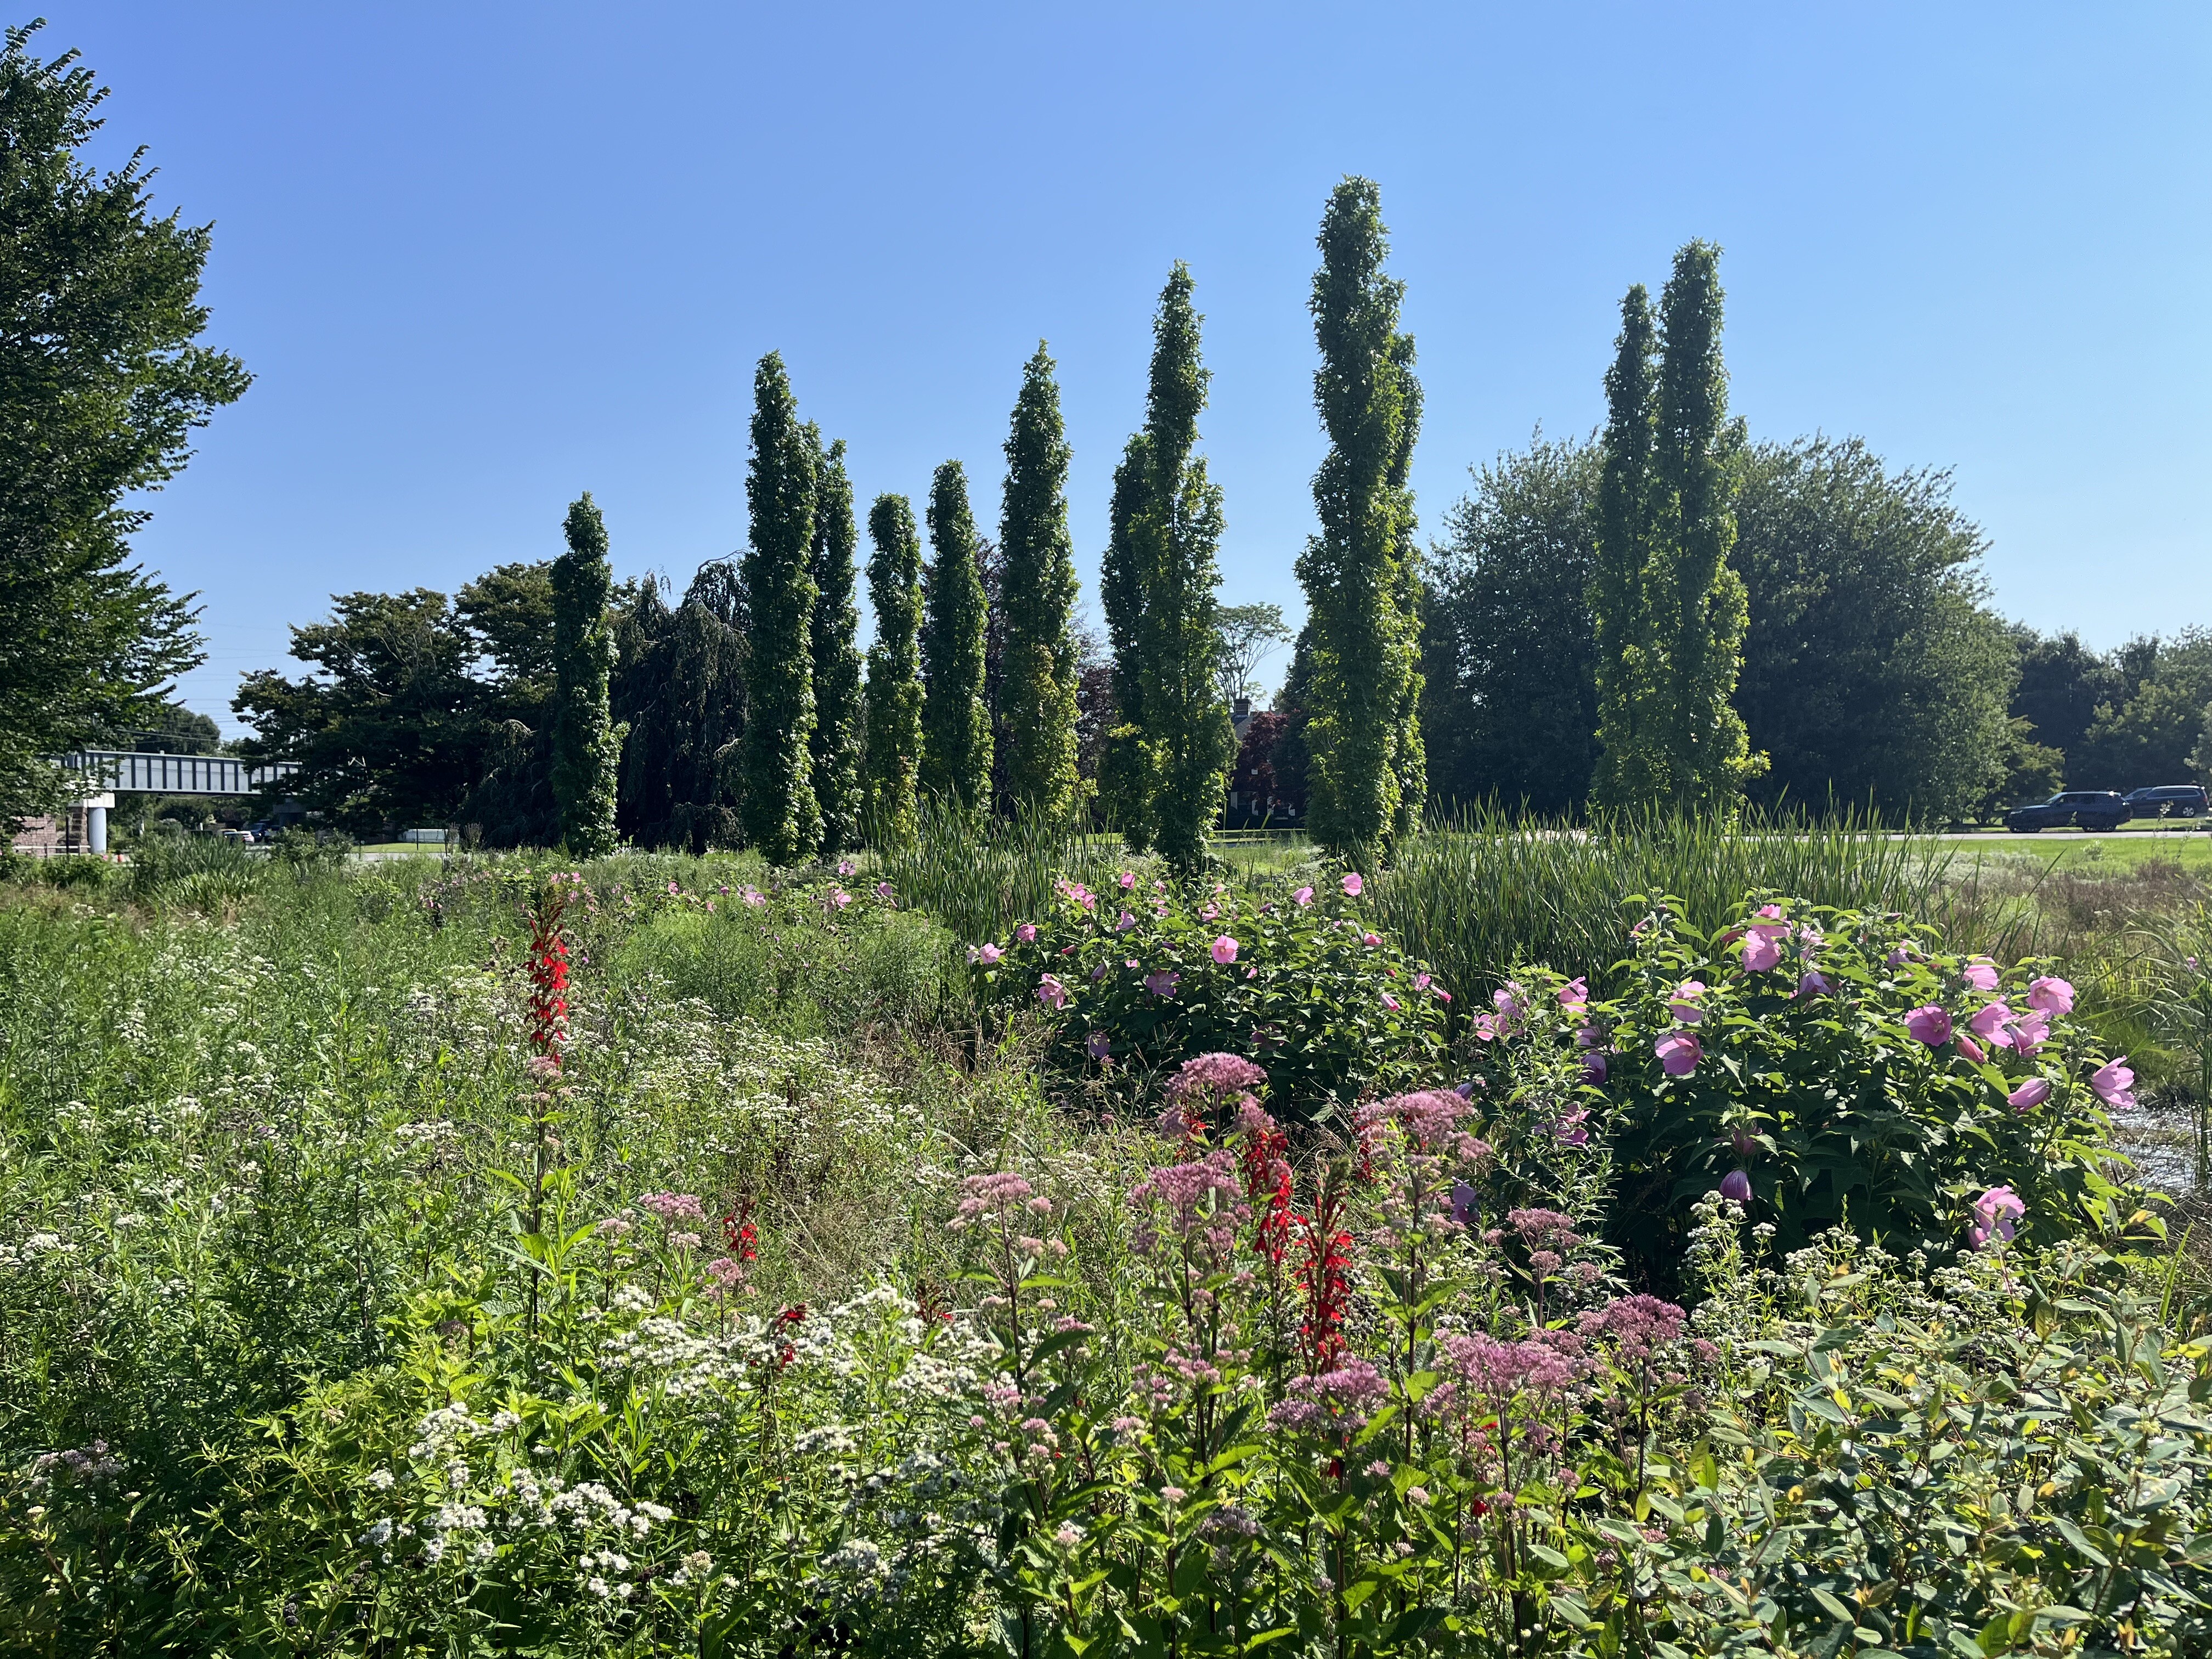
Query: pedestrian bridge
x,y
98,773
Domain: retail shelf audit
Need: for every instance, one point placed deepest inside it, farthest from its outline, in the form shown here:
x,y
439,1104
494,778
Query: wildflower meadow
x,y
669,1256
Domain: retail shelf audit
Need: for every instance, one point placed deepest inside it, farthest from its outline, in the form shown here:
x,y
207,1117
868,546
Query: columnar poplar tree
x,y
1633,767
1036,696
1362,574
894,760
778,810
586,743
1670,614
956,722
1703,609
1175,534
834,631
1125,786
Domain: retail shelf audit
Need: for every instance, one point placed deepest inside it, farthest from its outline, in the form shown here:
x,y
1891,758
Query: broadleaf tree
x,y
102,382
587,742
838,792
1368,774
955,723
1036,696
895,694
1184,735
778,809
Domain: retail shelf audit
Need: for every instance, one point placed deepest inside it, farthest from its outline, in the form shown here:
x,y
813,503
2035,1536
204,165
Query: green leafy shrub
x,y
1828,1061
1138,977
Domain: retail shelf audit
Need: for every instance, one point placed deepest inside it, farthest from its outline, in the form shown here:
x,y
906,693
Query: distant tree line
x,y
1666,612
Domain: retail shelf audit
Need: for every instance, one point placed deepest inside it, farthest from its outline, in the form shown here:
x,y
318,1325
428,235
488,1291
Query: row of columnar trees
x,y
1669,612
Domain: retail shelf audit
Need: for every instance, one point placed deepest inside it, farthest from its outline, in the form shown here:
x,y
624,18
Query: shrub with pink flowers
x,y
1296,977
1822,1065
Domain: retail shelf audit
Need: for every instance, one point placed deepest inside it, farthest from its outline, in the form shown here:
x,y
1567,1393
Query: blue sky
x,y
481,257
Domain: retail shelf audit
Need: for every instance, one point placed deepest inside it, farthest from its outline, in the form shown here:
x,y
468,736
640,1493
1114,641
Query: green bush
x,y
1852,1075
1132,981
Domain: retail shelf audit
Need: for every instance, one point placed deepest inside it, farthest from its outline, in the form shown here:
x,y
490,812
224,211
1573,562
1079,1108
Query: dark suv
x,y
2093,809
2168,800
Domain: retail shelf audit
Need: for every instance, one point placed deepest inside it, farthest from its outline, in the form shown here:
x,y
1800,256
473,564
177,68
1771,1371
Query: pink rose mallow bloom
x,y
1353,884
1127,923
1099,1046
883,890
1303,896
1026,933
1051,993
1990,1024
1736,1185
1997,1213
1930,1024
1677,1053
2115,1083
1760,953
1161,984
2030,1095
2028,1031
1574,996
1224,950
2050,996
1684,1006
1981,973
1973,1050
1813,983
985,955
1129,879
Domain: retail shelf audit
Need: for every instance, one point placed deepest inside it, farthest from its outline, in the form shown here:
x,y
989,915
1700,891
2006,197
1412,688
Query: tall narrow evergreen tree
x,y
1125,785
1187,741
955,723
1702,607
778,810
894,723
1037,697
1633,767
586,743
1362,574
834,631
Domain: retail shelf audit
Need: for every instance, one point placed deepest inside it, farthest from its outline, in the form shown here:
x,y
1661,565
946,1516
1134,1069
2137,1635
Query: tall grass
x,y
1484,892
976,872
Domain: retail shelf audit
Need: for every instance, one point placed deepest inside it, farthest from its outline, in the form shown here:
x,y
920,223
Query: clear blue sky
x,y
483,257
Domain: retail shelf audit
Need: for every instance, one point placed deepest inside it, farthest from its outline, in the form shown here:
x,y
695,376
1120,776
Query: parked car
x,y
2169,800
2091,809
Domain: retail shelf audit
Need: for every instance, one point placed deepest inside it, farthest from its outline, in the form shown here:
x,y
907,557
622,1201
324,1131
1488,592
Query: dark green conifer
x,y
586,743
894,723
1125,786
1633,768
1036,696
834,631
778,810
956,722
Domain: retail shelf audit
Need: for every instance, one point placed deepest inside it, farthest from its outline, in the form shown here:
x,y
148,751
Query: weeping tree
x,y
1036,696
587,742
679,686
1184,737
955,723
1671,612
779,811
894,694
835,627
1362,574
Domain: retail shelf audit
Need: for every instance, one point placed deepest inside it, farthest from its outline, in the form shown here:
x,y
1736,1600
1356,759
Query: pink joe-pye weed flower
x,y
1684,1004
1051,993
2114,1083
1677,1053
2030,1095
1224,950
1736,1185
1928,1024
1981,973
1996,1212
1353,884
2051,996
